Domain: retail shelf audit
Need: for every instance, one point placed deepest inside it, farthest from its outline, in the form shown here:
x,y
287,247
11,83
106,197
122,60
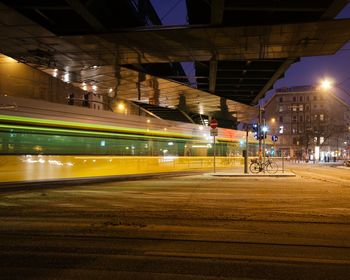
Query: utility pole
x,y
264,132
246,150
259,133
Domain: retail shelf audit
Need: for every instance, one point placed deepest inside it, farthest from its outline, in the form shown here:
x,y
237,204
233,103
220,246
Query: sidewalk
x,y
241,174
321,163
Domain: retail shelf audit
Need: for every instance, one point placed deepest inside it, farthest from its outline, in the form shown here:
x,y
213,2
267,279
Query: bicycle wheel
x,y
254,167
272,167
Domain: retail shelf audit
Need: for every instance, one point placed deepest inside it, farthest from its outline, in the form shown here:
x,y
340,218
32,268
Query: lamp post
x,y
328,85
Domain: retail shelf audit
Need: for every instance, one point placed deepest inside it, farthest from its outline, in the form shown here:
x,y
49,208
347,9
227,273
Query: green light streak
x,y
86,126
93,129
81,132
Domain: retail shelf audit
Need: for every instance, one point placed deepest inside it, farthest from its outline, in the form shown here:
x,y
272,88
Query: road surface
x,y
188,227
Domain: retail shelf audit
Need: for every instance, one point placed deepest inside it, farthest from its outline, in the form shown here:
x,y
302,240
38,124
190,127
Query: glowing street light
x,y
121,106
326,84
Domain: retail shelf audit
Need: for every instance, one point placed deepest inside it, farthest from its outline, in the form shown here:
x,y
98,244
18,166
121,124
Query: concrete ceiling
x,y
235,59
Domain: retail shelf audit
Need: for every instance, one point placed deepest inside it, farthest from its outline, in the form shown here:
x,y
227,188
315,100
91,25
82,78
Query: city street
x,y
174,140
188,227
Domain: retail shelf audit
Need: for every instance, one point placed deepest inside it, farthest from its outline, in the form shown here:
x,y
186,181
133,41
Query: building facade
x,y
311,124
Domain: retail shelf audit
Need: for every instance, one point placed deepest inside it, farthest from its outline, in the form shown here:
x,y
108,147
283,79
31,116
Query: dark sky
x,y
310,70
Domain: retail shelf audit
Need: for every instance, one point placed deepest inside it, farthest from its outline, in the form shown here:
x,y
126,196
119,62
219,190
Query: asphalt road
x,y
188,227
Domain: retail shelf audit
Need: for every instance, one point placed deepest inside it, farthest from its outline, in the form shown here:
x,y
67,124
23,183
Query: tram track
x,y
53,255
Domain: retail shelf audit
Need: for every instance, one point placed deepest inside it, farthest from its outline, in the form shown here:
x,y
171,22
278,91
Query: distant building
x,y
310,123
96,101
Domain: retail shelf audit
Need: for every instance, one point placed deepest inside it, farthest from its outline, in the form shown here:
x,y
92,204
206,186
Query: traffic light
x,y
259,132
256,130
264,131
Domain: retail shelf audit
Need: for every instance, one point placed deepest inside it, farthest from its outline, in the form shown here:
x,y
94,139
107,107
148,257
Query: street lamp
x,y
328,84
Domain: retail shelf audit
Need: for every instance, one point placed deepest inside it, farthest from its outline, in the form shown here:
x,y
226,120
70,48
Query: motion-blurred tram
x,y
48,141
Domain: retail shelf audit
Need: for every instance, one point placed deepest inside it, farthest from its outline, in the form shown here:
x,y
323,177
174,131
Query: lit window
x,y
301,107
294,108
321,117
280,109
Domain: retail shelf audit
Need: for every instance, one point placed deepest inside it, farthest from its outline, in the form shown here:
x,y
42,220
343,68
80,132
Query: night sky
x,y
310,70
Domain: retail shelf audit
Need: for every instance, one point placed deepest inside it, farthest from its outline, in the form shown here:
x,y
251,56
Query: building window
x,y
321,140
294,99
301,99
71,99
321,117
86,102
281,99
307,118
315,97
307,98
307,107
294,108
294,119
281,119
315,106
301,118
315,117
280,109
301,107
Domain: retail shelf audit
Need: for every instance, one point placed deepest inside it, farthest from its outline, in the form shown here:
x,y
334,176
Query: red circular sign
x,y
213,123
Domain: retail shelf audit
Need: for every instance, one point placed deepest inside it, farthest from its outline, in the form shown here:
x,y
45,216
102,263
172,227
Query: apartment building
x,y
311,124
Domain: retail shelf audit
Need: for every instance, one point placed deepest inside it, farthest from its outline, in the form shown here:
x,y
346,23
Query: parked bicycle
x,y
257,166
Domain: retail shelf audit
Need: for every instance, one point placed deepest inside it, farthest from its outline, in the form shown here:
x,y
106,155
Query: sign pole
x,y
214,155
